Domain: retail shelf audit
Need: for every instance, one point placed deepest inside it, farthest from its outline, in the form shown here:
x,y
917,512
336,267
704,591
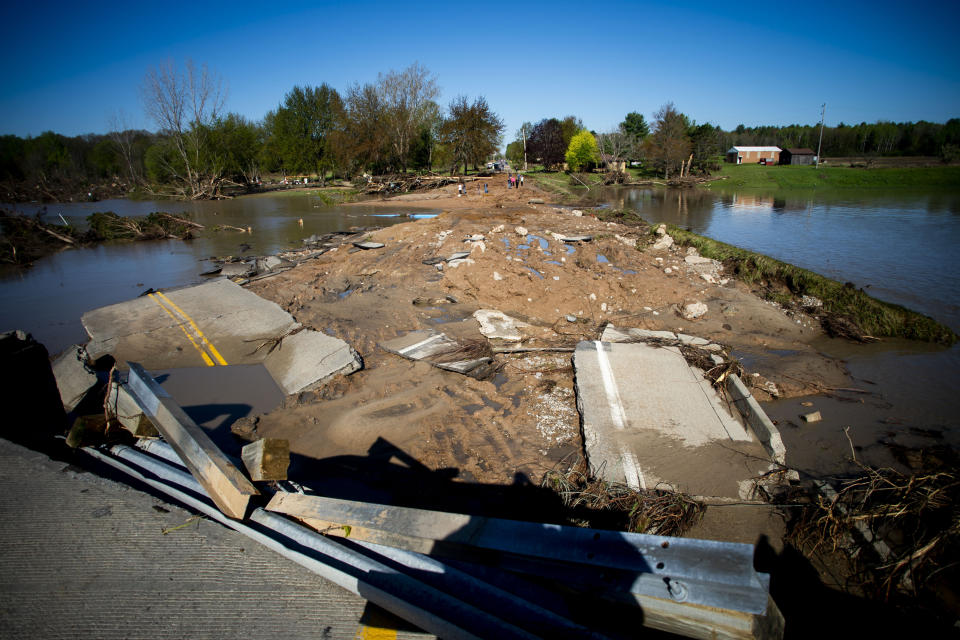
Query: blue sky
x,y
69,67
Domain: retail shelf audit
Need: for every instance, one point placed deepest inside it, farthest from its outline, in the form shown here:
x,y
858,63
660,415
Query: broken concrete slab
x,y
369,245
572,239
621,334
496,325
440,351
215,324
74,376
651,420
234,269
309,358
761,425
458,255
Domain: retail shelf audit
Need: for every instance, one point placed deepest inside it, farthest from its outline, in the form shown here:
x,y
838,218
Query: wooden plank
x,y
225,484
267,459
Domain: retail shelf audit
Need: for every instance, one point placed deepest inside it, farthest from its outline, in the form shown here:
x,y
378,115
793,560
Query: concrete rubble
x,y
217,323
651,420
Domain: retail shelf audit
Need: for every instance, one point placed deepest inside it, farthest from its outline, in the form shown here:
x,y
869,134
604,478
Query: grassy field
x,y
874,317
753,176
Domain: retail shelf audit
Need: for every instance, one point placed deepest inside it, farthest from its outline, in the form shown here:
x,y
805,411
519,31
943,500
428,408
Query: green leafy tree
x,y
472,131
515,153
582,151
300,129
669,144
570,126
635,125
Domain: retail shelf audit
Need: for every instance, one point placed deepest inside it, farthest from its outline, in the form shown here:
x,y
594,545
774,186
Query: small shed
x,y
798,156
753,155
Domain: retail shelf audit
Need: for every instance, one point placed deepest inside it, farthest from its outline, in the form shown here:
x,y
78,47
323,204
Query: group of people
x,y
462,189
514,181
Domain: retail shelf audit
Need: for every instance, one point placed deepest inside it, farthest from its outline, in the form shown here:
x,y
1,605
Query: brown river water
x,y
898,245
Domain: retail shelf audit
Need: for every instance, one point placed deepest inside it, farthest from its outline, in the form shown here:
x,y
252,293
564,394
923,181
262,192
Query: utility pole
x,y
823,110
523,133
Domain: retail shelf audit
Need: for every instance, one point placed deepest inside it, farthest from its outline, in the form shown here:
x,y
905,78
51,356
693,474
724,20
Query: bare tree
x,y
123,136
184,105
407,99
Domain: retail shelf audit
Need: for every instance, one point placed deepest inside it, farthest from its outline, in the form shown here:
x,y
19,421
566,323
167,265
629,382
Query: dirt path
x,y
513,427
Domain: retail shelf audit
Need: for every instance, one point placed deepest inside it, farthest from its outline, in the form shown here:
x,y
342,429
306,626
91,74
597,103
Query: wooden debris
x,y
228,488
267,459
121,406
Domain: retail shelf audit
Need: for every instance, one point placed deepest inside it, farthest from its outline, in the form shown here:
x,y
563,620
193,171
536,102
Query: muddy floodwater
x,y
898,245
48,298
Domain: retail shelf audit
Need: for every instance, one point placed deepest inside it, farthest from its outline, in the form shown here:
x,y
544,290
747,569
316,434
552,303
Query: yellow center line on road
x,y
375,633
180,323
213,350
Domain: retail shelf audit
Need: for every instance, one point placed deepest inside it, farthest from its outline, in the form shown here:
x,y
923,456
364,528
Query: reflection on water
x,y
48,298
899,246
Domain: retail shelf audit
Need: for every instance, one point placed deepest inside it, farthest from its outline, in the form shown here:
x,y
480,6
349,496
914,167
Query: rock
x,y
665,242
695,259
521,231
577,212
497,229
477,237
434,260
668,271
575,238
368,245
535,201
497,276
694,310
571,318
812,417
459,255
662,230
692,252
453,264
269,263
498,325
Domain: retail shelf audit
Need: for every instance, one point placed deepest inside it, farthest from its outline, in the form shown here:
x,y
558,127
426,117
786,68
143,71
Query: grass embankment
x,y
787,284
754,176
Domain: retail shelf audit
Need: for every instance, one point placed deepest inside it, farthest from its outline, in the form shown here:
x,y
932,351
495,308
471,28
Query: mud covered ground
x,y
511,428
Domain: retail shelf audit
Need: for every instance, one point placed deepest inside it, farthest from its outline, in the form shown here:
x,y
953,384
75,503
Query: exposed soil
x,y
523,421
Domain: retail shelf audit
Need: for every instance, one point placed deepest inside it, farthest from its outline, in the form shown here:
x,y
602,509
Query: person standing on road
x,y
521,179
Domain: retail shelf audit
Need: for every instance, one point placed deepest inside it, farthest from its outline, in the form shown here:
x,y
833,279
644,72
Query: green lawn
x,y
753,176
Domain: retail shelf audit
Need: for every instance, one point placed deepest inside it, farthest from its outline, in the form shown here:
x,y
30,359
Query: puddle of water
x,y
554,262
472,408
602,259
421,216
216,397
523,246
543,242
626,271
547,253
535,272
344,294
570,249
506,241
386,215
750,360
